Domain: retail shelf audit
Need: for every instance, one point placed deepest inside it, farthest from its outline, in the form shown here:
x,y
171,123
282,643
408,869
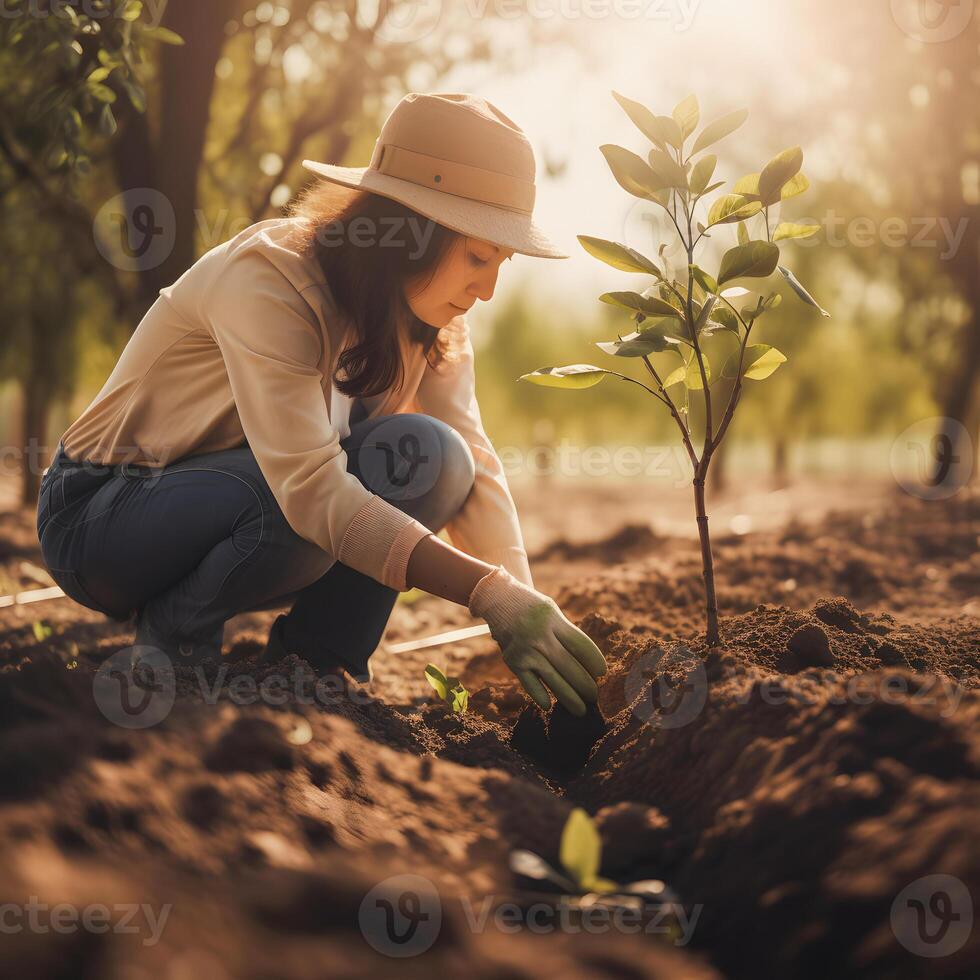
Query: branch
x,y
706,451
739,315
736,391
625,377
668,401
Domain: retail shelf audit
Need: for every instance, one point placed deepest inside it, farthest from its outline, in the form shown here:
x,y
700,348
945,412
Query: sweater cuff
x,y
379,541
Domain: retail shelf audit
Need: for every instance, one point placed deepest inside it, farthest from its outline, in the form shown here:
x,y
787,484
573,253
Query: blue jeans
x,y
187,546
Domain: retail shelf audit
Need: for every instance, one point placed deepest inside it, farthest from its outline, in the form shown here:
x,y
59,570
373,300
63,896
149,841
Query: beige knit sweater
x,y
243,347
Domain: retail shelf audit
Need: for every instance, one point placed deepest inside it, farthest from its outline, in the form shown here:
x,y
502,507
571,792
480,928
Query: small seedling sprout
x,y
580,853
449,689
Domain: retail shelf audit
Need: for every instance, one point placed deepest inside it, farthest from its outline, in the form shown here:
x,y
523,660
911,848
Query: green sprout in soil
x,y
687,313
580,853
449,689
41,630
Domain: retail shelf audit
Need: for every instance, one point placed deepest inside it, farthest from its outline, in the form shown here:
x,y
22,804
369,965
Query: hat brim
x,y
500,226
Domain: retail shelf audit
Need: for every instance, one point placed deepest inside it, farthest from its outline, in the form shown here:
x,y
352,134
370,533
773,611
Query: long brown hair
x,y
368,246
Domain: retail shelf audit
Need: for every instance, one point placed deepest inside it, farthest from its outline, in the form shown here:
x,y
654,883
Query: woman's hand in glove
x,y
541,646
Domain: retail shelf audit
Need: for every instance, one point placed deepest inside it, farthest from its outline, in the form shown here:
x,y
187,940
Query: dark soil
x,y
787,785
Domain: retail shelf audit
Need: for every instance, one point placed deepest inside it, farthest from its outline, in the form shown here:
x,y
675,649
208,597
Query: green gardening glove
x,y
541,646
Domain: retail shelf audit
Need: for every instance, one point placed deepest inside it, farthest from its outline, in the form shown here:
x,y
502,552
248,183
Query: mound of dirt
x,y
790,786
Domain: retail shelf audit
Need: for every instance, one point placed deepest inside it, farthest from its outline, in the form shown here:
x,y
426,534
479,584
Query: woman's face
x,y
467,272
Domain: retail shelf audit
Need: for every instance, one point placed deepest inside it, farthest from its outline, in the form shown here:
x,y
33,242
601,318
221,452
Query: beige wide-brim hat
x,y
459,160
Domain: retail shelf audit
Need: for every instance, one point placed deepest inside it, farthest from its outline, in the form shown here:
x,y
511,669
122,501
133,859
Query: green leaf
x,y
632,173
748,186
719,129
692,379
459,699
648,305
637,344
107,121
757,259
760,361
647,122
689,374
705,281
42,631
102,92
162,34
686,114
132,10
730,208
670,297
136,95
743,234
671,131
634,345
703,313
787,230
569,376
581,847
724,318
99,75
619,256
777,172
73,121
669,172
797,287
701,173
602,886
792,187
438,680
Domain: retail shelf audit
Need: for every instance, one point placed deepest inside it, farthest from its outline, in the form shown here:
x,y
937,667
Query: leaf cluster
x,y
680,309
64,74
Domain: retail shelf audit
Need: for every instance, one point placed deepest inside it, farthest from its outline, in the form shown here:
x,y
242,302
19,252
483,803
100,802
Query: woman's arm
x,y
437,567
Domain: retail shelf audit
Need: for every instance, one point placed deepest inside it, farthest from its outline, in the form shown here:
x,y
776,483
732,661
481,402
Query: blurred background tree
x,y
102,117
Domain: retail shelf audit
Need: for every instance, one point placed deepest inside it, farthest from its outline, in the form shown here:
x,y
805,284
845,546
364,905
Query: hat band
x,y
462,179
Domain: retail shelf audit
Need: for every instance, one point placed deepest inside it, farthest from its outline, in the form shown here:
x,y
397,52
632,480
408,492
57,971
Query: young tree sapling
x,y
685,310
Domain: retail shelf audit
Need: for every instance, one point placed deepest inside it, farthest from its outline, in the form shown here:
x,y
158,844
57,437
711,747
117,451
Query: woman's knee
x,y
444,494
419,463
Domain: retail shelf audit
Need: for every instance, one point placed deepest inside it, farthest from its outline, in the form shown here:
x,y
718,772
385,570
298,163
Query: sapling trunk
x,y
689,310
707,565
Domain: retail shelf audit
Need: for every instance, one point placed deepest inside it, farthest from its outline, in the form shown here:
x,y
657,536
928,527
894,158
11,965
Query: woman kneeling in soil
x,y
295,417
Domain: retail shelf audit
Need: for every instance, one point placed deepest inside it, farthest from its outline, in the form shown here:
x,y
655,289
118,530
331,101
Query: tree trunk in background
x,y
961,393
780,466
36,389
35,427
172,163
